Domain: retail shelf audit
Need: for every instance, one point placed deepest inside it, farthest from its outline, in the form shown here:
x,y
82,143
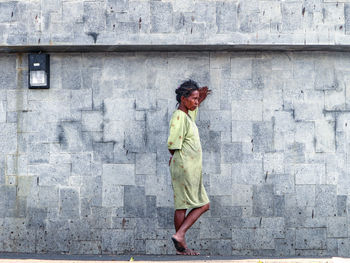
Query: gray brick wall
x,y
116,22
83,165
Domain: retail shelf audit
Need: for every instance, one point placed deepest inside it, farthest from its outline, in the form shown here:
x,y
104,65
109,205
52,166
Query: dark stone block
x,y
232,152
263,200
218,210
262,137
341,205
279,205
103,152
151,207
165,217
36,217
69,203
134,201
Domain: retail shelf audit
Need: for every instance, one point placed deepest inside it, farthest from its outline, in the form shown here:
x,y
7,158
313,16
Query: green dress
x,y
186,164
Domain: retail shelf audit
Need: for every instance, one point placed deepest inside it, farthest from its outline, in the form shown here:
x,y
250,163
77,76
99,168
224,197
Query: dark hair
x,y
185,89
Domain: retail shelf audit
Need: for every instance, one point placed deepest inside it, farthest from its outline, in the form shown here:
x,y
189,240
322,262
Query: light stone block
x,y
247,173
119,109
114,131
118,174
247,110
242,131
305,195
146,163
3,111
221,184
337,227
309,173
310,238
324,135
91,121
242,195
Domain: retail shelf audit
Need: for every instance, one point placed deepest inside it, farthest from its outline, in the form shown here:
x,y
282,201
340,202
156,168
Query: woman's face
x,y
191,102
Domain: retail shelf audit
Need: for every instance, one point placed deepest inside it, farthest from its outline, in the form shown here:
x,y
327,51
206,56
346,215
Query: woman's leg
x,y
179,217
189,220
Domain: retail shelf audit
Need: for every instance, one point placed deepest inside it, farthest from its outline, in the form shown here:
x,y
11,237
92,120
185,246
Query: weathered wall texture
x,y
84,165
113,22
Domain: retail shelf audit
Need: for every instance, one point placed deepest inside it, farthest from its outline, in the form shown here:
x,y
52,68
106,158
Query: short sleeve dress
x,y
186,164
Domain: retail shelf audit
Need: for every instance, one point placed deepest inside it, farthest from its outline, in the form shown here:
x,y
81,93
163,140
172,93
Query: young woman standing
x,y
186,163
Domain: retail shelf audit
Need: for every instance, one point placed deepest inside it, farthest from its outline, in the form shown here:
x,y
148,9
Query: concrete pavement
x,y
57,258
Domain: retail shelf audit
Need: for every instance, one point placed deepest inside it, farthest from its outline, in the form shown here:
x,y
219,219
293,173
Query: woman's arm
x,y
171,157
203,93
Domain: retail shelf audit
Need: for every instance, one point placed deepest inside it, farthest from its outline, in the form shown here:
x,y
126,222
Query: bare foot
x,y
180,242
188,252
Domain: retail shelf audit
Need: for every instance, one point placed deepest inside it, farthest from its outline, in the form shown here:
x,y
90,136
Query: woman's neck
x,y
183,108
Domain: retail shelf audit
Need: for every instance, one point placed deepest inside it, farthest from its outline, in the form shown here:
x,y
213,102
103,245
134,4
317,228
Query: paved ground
x,y
35,258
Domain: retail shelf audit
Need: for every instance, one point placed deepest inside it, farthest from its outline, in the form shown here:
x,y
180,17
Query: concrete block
x,y
135,137
81,164
232,153
211,162
210,140
16,165
114,131
134,201
291,20
146,229
247,173
242,195
337,227
294,153
347,18
325,77
161,17
121,155
81,100
283,183
38,153
243,238
112,195
8,132
326,198
117,241
309,173
325,136
71,138
305,134
119,109
262,137
242,131
146,163
103,152
118,174
247,110
51,175
94,19
263,200
69,203
226,17
341,205
305,195
310,238
220,184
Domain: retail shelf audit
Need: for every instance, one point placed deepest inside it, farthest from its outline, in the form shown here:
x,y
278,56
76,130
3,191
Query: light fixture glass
x,y
38,78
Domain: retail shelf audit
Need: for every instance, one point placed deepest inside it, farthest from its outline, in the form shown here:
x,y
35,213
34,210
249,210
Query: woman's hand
x,y
203,92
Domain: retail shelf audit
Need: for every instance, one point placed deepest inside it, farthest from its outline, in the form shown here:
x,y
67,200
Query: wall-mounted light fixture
x,y
39,71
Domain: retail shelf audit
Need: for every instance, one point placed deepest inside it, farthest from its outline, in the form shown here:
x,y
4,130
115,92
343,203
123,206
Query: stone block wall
x,y
84,165
176,22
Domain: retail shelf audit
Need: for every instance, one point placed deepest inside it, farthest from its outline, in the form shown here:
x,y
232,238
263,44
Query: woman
x,y
186,163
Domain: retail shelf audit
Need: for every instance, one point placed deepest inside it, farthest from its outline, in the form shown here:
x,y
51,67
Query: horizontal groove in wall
x,y
169,48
